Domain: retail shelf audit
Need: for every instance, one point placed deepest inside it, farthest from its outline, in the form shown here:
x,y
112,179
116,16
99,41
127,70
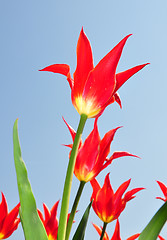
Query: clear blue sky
x,y
35,34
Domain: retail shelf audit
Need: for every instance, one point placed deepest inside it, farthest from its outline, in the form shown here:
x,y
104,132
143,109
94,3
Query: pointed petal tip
x,y
118,128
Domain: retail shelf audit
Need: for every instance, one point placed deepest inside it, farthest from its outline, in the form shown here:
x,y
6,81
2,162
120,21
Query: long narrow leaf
x,y
80,232
154,227
32,225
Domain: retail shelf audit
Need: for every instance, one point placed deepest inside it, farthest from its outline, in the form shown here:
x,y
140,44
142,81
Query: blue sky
x,y
35,34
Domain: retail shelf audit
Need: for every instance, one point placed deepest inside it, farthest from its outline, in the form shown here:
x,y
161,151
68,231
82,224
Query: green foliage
x,y
32,225
154,227
80,232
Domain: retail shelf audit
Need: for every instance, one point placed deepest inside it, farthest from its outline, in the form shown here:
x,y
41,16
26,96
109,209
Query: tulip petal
x,y
104,201
72,132
84,63
135,236
163,189
121,154
120,191
116,235
161,238
46,213
99,230
101,82
129,195
3,209
96,187
54,209
87,154
106,142
63,69
117,99
122,77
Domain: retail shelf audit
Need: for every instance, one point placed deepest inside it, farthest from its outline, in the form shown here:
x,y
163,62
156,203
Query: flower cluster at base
x,y
92,154
116,235
94,88
8,221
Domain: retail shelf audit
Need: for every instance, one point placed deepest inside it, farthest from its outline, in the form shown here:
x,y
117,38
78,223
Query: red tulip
x,y
50,221
8,221
164,191
116,235
107,204
92,155
94,88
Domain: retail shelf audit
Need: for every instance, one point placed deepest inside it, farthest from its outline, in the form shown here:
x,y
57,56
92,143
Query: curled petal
x,y
72,132
63,69
129,195
117,99
121,154
163,189
122,77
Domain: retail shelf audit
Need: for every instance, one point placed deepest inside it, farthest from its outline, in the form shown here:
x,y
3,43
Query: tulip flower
x,y
116,235
94,88
92,155
107,204
164,191
50,221
8,221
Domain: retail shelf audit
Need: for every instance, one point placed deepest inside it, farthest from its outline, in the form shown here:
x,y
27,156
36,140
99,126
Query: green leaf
x,y
80,232
154,227
32,225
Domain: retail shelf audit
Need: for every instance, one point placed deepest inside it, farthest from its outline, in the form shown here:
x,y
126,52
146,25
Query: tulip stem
x,y
68,180
74,208
103,230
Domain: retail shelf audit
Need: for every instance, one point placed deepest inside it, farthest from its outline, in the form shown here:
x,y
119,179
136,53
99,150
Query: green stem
x,y
74,208
68,180
103,231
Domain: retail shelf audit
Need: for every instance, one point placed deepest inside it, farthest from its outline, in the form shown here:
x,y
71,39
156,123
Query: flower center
x,y
88,107
50,237
1,235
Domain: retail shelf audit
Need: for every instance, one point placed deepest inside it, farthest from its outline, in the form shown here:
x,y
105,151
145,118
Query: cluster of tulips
x,y
92,90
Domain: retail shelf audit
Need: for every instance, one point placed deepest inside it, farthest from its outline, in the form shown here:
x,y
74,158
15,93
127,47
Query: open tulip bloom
x,y
94,88
107,204
92,154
